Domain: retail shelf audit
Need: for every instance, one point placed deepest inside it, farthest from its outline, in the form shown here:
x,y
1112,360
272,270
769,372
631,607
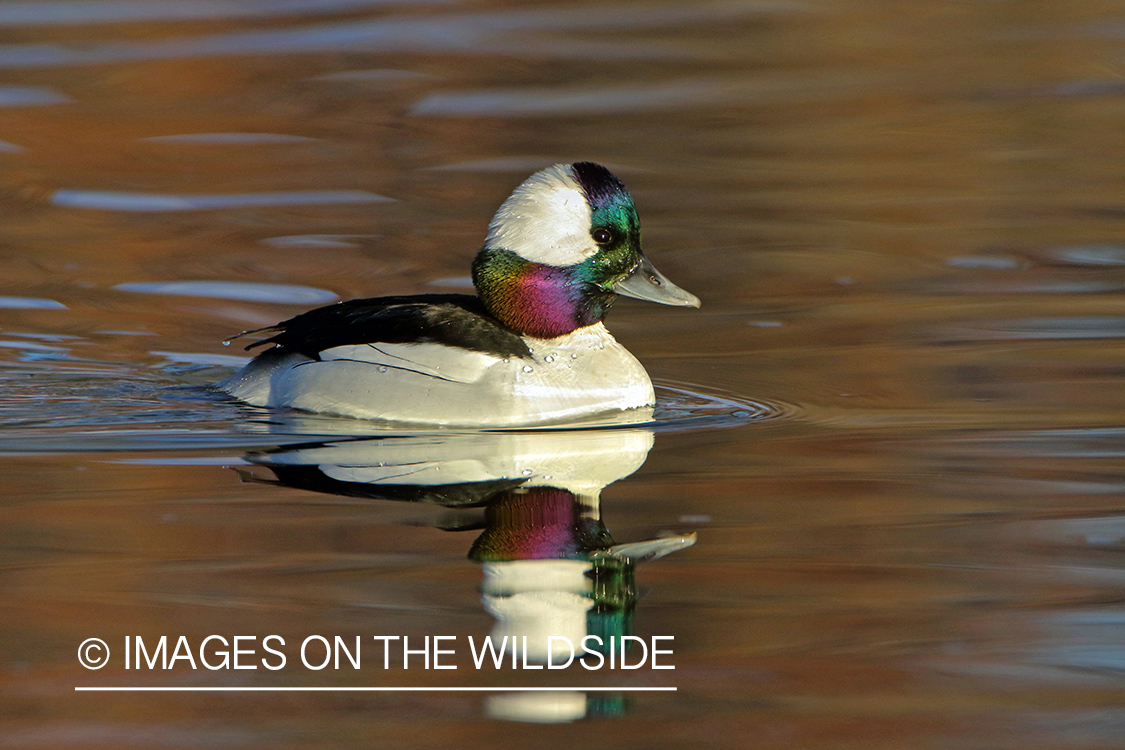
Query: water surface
x,y
881,505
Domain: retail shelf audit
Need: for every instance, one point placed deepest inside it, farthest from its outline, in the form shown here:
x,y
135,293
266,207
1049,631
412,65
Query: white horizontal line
x,y
298,689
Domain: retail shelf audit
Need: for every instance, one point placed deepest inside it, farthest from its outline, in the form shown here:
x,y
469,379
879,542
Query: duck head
x,y
561,248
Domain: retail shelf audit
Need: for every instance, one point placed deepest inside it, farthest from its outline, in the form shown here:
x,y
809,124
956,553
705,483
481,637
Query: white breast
x,y
582,373
574,376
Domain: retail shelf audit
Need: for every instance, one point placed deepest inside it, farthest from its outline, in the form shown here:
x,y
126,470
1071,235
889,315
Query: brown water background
x,y
906,221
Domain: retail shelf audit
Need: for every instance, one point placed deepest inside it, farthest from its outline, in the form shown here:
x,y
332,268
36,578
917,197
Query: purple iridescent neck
x,y
539,523
537,300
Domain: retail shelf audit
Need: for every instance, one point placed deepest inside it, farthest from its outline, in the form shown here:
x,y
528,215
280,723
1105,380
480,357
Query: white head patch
x,y
545,220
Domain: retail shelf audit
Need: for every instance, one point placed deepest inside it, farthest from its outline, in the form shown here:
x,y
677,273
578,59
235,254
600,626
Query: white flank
x,y
574,376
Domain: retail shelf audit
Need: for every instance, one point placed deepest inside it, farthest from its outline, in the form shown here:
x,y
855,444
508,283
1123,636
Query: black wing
x,y
458,320
463,495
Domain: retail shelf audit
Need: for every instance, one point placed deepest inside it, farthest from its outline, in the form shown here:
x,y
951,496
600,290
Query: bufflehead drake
x,y
531,349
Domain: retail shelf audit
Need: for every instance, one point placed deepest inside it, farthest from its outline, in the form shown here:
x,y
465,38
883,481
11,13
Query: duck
x,y
530,348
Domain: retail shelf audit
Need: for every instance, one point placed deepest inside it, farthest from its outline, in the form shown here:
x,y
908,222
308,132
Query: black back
x,y
456,320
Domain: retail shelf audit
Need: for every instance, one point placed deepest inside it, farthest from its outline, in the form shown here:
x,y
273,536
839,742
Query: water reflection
x,y
556,101
1091,255
240,290
108,200
557,584
231,139
510,30
70,13
30,303
30,96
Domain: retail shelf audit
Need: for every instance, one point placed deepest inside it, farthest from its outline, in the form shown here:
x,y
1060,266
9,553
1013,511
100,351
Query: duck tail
x,y
268,329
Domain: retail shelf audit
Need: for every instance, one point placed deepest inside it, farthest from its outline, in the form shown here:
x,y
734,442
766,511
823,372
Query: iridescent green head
x,y
560,250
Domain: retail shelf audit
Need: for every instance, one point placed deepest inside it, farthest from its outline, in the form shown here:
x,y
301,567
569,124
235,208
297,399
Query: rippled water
x,y
881,503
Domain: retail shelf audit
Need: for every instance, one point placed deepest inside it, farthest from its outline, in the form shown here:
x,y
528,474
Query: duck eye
x,y
602,236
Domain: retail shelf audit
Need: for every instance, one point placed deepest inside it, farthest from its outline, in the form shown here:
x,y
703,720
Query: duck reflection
x,y
554,578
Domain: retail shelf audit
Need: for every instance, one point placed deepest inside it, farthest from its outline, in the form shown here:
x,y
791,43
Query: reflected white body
x,y
577,375
541,707
579,461
537,599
